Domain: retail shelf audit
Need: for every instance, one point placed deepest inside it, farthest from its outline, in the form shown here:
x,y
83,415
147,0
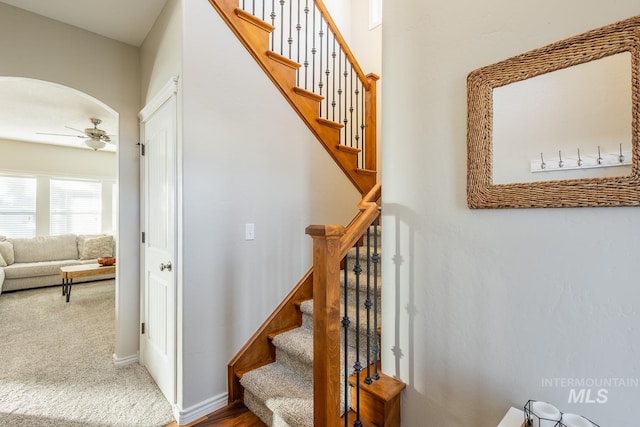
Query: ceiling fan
x,y
93,137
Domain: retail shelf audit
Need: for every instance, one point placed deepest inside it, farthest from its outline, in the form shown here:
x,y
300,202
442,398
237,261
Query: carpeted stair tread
x,y
286,396
362,255
353,283
307,316
294,350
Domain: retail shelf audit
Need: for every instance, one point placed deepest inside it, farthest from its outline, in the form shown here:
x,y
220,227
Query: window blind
x,y
75,207
17,206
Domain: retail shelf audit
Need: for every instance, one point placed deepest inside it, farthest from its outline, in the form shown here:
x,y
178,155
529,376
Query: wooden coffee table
x,y
71,272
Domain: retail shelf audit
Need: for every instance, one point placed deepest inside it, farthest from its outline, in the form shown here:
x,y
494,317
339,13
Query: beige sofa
x,y
35,262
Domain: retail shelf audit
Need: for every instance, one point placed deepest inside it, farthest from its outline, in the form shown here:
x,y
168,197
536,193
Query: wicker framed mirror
x,y
482,192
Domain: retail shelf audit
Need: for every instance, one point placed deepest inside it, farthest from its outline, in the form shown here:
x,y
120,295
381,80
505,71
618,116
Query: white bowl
x,y
543,414
573,420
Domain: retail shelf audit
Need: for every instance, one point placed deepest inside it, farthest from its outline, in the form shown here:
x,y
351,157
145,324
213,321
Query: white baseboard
x,y
199,410
125,360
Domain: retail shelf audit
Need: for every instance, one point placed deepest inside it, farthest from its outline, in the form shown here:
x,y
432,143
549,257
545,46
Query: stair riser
x,y
258,407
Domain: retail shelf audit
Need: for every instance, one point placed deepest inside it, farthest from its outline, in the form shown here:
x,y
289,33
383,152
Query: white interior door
x,y
158,311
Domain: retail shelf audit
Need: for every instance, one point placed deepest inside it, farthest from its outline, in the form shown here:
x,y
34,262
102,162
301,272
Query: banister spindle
x,y
357,366
362,127
282,27
376,260
357,123
253,7
313,51
367,305
351,107
273,24
306,42
333,86
345,327
343,141
320,83
298,28
345,120
290,39
327,74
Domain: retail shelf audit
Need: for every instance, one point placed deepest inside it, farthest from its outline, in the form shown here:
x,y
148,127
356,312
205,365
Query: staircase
x,y
281,393
328,90
315,360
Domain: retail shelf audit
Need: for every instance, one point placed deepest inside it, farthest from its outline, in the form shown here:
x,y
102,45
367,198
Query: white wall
x,y
19,156
479,306
41,48
161,51
247,158
366,45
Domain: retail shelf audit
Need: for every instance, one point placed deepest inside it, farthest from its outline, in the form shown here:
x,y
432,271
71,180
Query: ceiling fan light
x,y
96,144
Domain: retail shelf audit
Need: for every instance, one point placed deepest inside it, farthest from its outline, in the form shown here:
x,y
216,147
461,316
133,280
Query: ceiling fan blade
x,y
77,130
60,134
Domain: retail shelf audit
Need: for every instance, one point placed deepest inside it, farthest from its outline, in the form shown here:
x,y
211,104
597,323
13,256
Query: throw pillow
x,y
3,263
6,251
97,247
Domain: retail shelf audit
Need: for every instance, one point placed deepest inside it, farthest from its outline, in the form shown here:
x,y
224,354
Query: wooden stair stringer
x,y
254,35
259,350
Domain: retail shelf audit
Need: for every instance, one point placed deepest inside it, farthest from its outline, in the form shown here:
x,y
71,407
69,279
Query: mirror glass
x,y
550,127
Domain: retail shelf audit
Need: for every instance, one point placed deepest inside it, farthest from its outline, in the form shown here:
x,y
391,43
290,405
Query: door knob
x,y
166,266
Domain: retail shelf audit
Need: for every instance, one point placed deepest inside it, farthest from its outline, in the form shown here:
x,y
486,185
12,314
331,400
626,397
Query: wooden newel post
x,y
326,323
371,121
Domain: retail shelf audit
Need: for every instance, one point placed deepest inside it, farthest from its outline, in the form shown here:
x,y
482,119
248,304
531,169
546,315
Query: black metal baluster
x,y
327,74
357,366
298,28
376,261
253,7
306,41
282,27
367,305
263,2
351,108
290,39
357,137
362,127
340,95
313,51
345,121
243,8
320,83
345,327
333,86
273,24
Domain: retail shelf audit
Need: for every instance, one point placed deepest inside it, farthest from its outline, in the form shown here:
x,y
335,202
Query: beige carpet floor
x,y
56,366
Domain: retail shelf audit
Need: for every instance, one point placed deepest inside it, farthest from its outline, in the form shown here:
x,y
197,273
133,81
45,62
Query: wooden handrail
x,y
342,42
358,225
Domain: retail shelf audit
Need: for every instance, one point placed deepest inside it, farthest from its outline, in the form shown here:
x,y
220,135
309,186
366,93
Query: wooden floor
x,y
237,415
234,415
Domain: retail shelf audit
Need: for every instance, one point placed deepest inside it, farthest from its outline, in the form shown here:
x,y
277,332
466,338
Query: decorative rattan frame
x,y
623,36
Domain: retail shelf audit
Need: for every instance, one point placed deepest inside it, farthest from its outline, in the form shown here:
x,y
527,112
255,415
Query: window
x,y
375,13
17,206
75,207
